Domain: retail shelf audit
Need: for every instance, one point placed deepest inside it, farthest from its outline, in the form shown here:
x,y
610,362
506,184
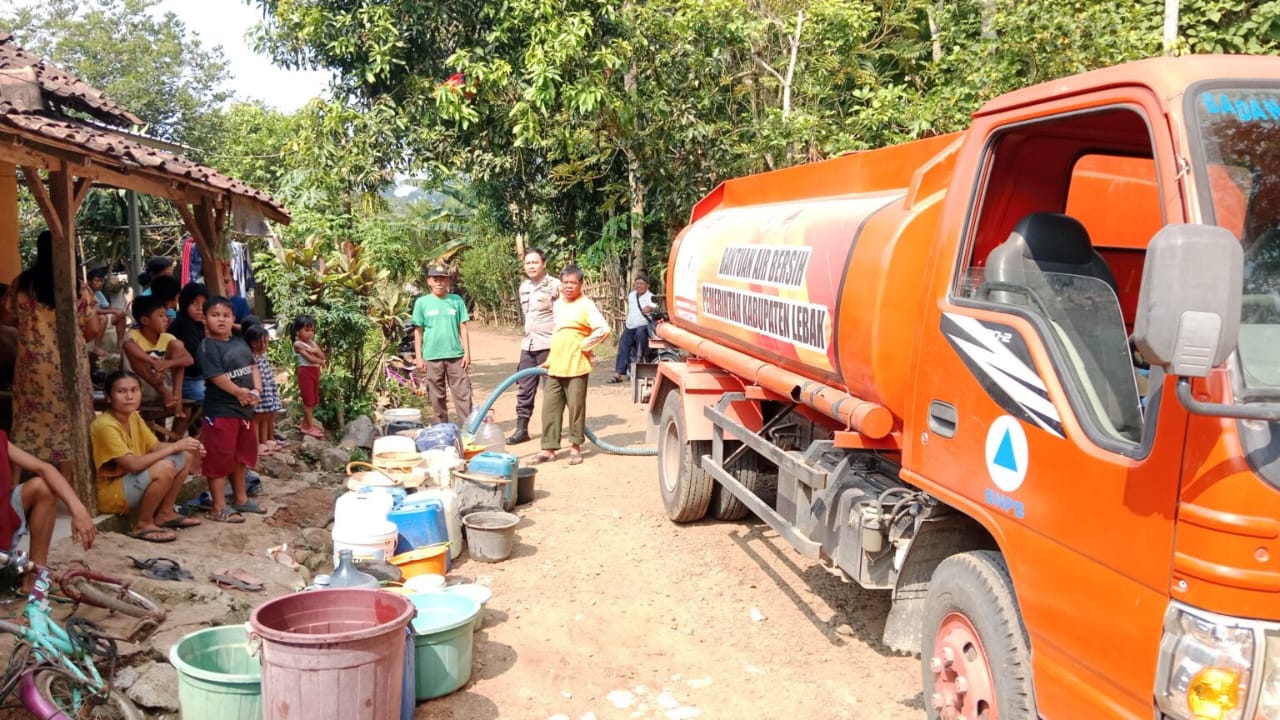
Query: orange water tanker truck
x,y
1025,378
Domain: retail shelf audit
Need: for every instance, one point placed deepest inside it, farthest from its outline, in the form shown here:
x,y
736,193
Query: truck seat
x,y
1048,267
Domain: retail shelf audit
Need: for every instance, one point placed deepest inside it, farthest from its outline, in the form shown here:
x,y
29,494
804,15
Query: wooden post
x,y
71,349
200,222
10,261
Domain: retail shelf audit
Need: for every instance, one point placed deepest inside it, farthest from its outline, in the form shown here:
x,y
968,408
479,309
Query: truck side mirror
x,y
1188,315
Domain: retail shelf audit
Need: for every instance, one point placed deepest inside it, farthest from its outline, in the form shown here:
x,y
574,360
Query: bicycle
x,y
84,586
53,668
401,373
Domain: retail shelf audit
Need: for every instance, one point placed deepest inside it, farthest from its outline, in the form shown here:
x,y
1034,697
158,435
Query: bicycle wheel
x,y
58,690
113,596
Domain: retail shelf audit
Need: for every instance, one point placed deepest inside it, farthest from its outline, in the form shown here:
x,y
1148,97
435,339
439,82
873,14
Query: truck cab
x,y
1135,530
1070,313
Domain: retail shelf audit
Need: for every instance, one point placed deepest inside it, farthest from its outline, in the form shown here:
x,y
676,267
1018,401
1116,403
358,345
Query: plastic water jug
x,y
453,522
362,508
490,436
345,575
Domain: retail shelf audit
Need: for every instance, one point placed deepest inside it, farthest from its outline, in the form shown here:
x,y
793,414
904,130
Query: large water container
x,y
362,508
490,435
502,464
453,522
438,435
420,522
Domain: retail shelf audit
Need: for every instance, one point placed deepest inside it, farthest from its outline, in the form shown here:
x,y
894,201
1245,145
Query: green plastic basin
x,y
217,677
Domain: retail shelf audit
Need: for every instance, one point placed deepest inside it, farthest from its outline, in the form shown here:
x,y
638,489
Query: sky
x,y
225,23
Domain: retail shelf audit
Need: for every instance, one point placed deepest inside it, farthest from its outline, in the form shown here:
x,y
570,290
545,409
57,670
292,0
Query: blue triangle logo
x,y
1004,454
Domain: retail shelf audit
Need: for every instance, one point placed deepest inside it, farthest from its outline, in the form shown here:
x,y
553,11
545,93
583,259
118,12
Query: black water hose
x,y
530,372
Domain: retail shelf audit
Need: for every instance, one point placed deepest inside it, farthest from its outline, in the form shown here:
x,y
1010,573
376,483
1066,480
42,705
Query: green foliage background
x,y
585,127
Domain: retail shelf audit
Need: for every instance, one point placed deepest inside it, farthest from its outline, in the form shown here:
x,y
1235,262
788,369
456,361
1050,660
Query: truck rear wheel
x,y
974,653
750,471
686,488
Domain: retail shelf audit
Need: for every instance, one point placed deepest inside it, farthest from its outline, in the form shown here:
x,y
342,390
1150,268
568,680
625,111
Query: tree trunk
x,y
988,19
635,186
935,30
1171,10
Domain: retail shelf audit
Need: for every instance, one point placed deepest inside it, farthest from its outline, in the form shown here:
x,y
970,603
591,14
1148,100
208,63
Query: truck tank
x,y
811,269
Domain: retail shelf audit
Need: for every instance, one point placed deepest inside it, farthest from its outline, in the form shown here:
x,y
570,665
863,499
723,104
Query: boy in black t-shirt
x,y
232,387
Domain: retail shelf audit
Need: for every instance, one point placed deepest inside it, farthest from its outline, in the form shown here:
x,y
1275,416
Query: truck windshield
x,y
1239,137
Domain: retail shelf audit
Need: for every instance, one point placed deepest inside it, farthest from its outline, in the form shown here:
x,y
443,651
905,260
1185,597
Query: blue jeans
x,y
636,339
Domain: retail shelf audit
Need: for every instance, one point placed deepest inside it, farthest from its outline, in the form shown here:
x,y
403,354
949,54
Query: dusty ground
x,y
606,609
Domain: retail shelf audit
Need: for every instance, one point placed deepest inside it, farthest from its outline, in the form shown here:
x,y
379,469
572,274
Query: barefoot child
x,y
264,413
233,387
310,358
135,470
156,356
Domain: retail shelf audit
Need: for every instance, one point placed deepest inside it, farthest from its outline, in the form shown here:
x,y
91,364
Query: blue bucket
x,y
419,523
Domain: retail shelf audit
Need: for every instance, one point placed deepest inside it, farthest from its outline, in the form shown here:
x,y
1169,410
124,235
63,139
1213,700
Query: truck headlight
x,y
1205,666
1269,699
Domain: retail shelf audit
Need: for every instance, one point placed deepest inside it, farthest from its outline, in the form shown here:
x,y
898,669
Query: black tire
x,y
750,470
114,597
56,686
974,589
686,487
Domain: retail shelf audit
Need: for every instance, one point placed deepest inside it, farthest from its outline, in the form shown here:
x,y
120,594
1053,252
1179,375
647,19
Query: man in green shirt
x,y
441,346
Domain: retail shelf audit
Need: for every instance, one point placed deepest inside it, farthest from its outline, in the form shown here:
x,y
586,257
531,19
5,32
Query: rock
x,y
334,459
125,678
358,433
311,478
156,687
311,448
316,539
275,466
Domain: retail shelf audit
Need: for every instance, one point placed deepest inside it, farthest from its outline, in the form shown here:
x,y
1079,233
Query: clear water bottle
x,y
490,435
345,575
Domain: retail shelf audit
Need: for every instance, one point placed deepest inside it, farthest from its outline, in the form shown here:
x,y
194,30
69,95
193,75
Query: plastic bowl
x,y
427,583
429,560
479,593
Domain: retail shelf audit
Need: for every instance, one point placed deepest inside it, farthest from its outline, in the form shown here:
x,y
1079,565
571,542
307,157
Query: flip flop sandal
x,y
540,458
226,515
155,535
251,506
236,578
161,568
575,458
179,523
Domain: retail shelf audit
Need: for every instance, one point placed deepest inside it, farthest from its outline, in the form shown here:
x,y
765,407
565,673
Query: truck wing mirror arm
x,y
1255,411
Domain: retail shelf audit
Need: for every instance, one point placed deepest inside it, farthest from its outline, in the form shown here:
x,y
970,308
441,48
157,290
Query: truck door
x,y
1030,413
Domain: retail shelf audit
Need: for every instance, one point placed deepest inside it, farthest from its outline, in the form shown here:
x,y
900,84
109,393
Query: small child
x,y
115,316
233,387
310,358
264,413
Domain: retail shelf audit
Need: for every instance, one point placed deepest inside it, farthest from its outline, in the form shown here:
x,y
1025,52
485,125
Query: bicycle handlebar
x,y
18,561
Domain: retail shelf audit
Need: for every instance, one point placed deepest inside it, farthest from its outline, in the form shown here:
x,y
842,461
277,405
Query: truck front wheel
x,y
975,656
686,488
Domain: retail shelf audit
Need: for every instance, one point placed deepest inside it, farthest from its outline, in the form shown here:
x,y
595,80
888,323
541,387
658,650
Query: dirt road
x,y
608,610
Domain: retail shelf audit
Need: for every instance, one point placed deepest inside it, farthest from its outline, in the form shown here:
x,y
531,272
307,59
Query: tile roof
x,y
66,88
109,147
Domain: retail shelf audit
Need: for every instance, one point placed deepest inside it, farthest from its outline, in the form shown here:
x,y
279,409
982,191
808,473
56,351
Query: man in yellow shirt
x,y
579,327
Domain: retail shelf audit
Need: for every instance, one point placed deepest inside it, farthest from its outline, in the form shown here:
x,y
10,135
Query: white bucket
x,y
372,542
393,443
402,415
452,520
362,509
